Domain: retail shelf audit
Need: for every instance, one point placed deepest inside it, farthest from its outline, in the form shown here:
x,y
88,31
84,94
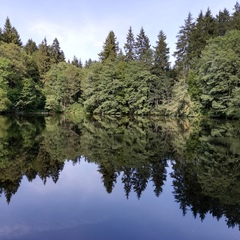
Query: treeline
x,y
135,80
23,69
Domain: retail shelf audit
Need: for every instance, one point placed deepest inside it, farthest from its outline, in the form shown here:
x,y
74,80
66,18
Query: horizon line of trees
x,y
138,80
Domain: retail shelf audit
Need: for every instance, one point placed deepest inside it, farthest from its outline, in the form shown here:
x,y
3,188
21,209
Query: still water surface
x,y
109,179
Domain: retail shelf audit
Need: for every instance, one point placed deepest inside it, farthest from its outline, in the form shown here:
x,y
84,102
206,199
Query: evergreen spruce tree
x,y
31,65
88,63
205,28
198,38
80,65
10,34
43,57
182,54
120,55
161,55
143,47
223,22
210,25
76,62
56,53
160,90
236,17
30,47
129,46
110,48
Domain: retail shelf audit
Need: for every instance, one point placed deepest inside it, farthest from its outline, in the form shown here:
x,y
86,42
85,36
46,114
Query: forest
x,y
136,80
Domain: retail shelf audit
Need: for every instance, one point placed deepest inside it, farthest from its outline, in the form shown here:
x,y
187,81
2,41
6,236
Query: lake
x,y
73,178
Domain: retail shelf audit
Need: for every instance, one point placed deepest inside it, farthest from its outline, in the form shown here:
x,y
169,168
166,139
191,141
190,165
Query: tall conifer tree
x,y
161,55
223,22
210,25
129,46
142,45
205,28
56,53
10,34
236,17
182,52
76,62
197,38
110,48
30,47
43,57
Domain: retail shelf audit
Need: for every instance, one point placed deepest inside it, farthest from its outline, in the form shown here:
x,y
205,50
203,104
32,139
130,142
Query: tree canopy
x,y
218,76
136,80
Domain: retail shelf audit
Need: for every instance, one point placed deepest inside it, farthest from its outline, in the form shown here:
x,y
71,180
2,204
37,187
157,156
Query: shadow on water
x,y
204,156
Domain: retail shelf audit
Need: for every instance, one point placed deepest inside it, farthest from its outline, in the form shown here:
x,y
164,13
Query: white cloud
x,y
84,42
10,231
45,28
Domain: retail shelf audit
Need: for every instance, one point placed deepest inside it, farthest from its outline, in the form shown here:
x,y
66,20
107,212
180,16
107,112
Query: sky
x,y
81,26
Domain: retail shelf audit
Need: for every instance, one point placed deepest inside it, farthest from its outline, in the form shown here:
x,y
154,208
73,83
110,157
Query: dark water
x,y
119,179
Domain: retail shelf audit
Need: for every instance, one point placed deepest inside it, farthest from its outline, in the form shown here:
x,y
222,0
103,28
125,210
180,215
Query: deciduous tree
x,y
61,86
218,75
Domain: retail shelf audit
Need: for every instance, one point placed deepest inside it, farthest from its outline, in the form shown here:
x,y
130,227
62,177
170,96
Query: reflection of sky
x,y
78,207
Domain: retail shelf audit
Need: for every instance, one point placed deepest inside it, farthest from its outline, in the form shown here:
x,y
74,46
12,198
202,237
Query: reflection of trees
x,y
208,181
33,147
109,176
59,142
9,188
137,150
18,147
206,167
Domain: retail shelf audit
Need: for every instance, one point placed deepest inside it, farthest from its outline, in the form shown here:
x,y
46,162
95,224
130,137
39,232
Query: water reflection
x,y
208,181
204,157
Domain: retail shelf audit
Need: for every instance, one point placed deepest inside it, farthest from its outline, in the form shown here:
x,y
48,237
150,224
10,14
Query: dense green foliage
x,y
61,86
138,81
218,76
207,63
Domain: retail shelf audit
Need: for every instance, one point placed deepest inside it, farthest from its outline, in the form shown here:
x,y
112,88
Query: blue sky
x,y
82,26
